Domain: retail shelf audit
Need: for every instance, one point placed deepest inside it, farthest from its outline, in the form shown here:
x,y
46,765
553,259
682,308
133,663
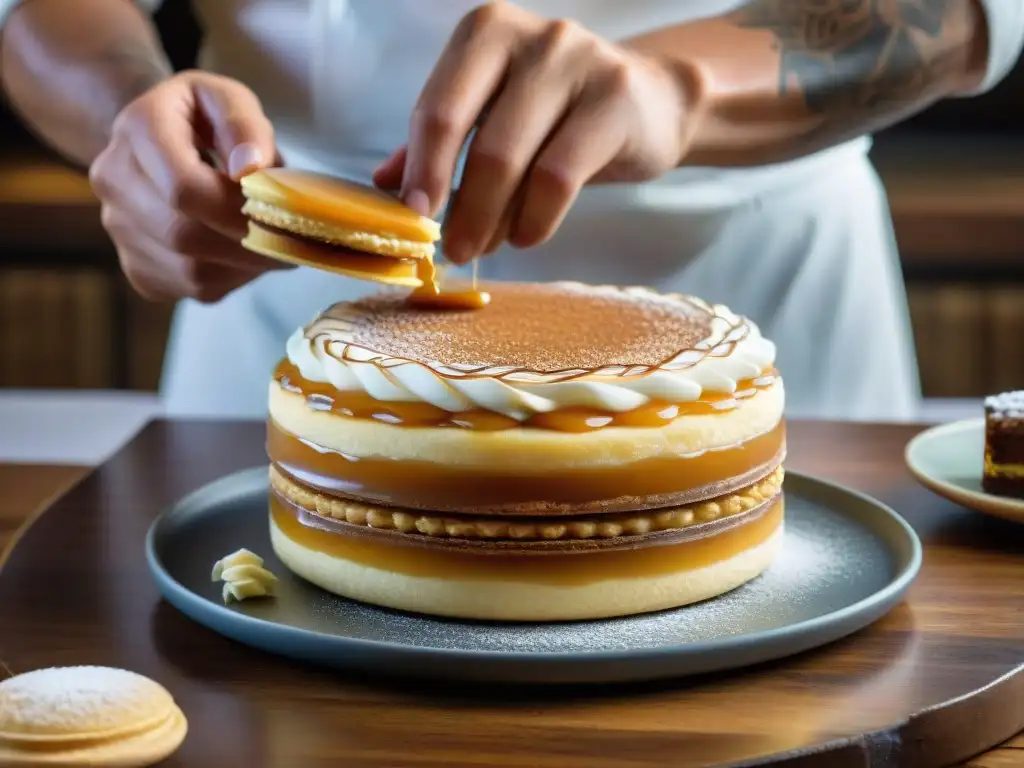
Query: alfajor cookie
x,y
571,452
86,716
314,220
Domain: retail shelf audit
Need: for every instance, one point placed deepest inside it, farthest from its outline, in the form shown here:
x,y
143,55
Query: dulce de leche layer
x,y
423,485
557,563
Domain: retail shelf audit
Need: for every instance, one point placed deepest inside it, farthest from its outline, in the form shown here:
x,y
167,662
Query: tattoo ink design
x,y
857,55
143,66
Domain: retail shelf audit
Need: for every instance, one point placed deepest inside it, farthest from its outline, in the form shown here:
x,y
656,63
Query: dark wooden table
x,y
938,681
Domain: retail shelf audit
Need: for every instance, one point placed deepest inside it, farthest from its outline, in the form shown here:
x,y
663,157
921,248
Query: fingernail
x,y
417,200
245,158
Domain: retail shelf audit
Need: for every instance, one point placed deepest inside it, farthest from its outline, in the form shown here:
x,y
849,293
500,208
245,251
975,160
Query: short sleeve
x,y
1005,40
7,6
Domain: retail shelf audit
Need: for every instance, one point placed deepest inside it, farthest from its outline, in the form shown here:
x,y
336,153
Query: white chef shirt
x,y
805,248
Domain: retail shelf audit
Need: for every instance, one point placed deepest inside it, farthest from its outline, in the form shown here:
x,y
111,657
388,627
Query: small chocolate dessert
x,y
1004,445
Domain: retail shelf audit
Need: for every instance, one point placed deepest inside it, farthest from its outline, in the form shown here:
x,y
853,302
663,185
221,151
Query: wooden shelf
x,y
957,204
48,207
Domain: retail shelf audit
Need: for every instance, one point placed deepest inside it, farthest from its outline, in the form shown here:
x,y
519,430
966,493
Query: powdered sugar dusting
x,y
539,327
535,349
827,561
1007,405
64,701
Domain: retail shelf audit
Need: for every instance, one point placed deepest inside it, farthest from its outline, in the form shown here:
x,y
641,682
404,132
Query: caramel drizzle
x,y
344,325
430,294
656,413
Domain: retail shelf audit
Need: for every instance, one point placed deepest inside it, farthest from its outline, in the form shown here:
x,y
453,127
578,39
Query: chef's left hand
x,y
555,107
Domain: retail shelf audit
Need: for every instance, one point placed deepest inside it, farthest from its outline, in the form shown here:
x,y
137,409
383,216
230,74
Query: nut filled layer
x,y
466,527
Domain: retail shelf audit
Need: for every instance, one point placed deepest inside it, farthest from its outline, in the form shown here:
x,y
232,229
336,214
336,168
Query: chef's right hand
x,y
175,219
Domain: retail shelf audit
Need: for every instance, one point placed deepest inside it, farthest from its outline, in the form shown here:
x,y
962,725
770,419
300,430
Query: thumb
x,y
390,173
240,132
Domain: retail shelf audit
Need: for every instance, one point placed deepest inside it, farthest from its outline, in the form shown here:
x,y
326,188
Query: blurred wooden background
x,y
955,177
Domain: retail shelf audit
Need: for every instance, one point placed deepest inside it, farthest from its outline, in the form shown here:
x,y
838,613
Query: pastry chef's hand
x,y
555,107
176,220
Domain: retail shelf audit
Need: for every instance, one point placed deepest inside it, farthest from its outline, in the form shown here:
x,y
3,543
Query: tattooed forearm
x,y
128,68
140,64
864,56
779,79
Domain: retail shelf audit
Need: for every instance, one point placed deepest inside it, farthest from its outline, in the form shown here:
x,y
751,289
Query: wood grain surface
x,y
937,682
25,490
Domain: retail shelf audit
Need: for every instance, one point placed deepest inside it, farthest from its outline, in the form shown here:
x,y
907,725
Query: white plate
x,y
949,459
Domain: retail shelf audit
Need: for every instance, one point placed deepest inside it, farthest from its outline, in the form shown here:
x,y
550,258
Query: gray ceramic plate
x,y
846,561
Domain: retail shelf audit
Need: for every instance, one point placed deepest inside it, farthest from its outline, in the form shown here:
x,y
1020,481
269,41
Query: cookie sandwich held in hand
x,y
572,452
311,219
314,220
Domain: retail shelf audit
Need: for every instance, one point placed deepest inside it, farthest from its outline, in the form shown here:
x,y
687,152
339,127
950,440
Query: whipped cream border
x,y
734,351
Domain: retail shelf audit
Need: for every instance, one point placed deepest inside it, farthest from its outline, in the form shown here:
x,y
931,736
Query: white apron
x,y
803,248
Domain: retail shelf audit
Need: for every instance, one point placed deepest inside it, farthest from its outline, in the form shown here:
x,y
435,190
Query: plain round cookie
x,y
87,715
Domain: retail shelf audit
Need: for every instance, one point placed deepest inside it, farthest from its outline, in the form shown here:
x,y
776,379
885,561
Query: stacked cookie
x,y
87,716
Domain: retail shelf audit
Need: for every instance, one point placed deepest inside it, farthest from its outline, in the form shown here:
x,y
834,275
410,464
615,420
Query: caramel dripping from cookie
x,y
380,269
431,296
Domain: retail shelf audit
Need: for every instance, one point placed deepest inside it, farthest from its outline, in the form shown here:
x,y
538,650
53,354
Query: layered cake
x,y
1004,445
569,452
